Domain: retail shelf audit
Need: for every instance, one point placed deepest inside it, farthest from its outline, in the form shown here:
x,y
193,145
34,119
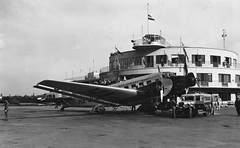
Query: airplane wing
x,y
106,93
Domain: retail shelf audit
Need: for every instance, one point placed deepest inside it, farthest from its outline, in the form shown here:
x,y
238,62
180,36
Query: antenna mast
x,y
224,35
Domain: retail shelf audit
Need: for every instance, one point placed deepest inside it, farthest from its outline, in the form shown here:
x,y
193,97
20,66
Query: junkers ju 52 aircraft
x,y
145,91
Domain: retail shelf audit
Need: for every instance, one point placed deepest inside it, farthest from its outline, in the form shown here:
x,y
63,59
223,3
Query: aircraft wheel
x,y
173,111
100,109
62,108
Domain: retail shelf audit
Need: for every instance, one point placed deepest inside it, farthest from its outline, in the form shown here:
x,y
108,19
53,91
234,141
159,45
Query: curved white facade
x,y
217,70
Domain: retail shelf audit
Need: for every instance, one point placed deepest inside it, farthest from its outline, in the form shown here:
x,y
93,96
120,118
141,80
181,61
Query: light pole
x,y
224,35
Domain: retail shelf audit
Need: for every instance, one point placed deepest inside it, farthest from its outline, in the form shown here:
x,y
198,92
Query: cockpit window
x,y
197,98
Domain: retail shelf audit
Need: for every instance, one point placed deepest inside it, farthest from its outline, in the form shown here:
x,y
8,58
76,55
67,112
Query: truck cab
x,y
194,104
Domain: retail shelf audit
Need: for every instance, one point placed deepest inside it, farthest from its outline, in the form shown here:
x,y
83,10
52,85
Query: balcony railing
x,y
216,83
125,66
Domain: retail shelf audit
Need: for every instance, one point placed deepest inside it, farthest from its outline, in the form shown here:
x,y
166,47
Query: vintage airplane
x,y
143,90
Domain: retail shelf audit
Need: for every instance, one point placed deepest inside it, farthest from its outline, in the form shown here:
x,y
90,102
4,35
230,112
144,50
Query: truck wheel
x,y
190,112
174,112
208,111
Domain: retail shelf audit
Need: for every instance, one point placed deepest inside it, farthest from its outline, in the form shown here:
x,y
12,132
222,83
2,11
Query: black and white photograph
x,y
119,74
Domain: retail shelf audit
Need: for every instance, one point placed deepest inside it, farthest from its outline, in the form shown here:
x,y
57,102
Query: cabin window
x,y
134,86
215,60
141,84
148,82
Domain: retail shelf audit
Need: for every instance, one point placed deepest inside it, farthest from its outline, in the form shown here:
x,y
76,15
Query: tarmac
x,y
47,127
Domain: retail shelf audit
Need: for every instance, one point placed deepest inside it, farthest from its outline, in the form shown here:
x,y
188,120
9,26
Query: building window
x,y
224,78
137,61
198,59
234,63
227,62
204,78
125,63
149,60
237,80
225,96
215,60
161,59
182,58
178,58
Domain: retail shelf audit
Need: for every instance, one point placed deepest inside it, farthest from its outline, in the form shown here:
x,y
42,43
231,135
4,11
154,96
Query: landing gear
x,y
100,109
148,108
133,108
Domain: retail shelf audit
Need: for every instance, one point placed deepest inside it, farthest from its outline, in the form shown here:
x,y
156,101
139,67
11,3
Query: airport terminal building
x,y
217,70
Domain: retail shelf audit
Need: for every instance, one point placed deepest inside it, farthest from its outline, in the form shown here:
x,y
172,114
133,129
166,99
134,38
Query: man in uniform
x,y
237,104
6,104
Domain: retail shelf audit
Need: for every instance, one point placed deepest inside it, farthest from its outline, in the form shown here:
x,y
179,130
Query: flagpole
x,y
180,44
147,20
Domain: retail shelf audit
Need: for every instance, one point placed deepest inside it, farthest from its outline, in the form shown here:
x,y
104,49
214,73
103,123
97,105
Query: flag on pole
x,y
184,50
150,18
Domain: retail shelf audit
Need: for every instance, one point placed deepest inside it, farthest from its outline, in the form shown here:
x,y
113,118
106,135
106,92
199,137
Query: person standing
x,y
6,104
237,104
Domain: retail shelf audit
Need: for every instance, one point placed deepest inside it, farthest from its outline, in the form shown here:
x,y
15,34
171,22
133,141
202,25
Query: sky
x,y
58,39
